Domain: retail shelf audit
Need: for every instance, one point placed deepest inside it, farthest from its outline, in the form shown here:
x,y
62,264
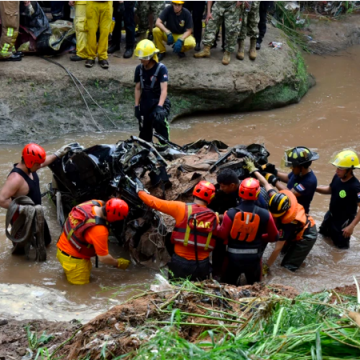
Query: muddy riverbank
x,y
38,100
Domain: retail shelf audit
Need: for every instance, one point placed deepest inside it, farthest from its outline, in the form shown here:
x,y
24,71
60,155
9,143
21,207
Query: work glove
x,y
270,168
137,112
123,263
178,46
63,150
271,179
265,269
170,38
249,165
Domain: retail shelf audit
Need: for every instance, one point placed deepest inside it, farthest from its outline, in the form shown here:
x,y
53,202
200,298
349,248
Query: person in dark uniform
x,y
343,215
263,10
197,9
227,197
123,11
301,180
23,179
152,106
245,229
297,230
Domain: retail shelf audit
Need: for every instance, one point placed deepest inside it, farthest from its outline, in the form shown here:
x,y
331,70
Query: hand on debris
x,y
63,150
170,38
123,264
265,269
178,46
270,168
137,112
249,165
271,179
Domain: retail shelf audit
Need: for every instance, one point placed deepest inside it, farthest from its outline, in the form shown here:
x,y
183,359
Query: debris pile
x,y
168,171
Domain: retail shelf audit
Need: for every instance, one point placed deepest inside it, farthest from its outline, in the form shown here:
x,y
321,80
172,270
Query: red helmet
x,y
249,189
116,210
33,154
204,190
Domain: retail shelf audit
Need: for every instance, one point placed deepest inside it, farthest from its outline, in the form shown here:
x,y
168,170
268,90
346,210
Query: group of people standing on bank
x,y
233,220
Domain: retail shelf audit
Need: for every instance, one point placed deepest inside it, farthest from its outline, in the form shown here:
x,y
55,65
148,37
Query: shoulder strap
x,y
160,65
141,77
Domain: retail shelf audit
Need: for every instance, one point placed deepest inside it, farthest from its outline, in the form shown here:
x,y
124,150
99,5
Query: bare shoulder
x,y
15,185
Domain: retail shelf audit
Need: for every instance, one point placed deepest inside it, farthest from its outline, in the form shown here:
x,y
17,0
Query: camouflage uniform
x,y
227,11
144,9
250,22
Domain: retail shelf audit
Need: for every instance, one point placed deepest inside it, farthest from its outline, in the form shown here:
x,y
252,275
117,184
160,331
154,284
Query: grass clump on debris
x,y
208,320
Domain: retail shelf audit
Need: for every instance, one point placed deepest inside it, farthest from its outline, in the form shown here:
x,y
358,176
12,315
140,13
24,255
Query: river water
x,y
325,121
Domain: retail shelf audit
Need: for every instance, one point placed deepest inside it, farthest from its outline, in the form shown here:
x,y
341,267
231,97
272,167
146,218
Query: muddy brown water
x,y
326,121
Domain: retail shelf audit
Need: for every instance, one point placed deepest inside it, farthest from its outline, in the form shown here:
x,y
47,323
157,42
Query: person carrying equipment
x,y
152,106
301,181
85,235
174,25
297,230
246,229
343,215
193,235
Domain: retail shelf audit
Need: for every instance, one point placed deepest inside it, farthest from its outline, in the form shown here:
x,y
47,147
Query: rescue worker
x,y
23,179
230,12
246,229
194,231
152,106
197,10
175,26
98,17
301,180
263,10
297,230
145,9
9,14
343,215
249,27
80,30
85,235
123,11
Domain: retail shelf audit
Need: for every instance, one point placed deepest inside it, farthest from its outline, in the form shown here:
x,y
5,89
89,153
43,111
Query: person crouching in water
x,y
86,235
152,106
246,229
194,231
297,230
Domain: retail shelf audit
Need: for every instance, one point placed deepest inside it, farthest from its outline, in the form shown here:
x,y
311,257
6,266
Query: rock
x,y
21,351
3,322
49,104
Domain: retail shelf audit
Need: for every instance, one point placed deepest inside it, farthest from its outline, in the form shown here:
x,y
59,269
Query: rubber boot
x,y
241,52
204,53
252,51
226,58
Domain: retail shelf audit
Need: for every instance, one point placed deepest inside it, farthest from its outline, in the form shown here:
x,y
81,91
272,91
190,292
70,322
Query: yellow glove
x,y
249,165
123,263
265,269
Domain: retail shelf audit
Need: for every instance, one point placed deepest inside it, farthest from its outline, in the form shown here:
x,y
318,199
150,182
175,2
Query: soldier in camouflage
x,y
143,10
230,12
249,27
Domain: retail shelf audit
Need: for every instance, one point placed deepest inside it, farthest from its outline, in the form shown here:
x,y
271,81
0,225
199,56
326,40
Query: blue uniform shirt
x,y
305,186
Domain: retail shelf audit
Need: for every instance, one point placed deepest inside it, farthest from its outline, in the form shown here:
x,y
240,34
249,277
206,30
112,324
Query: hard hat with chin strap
x,y
145,50
346,159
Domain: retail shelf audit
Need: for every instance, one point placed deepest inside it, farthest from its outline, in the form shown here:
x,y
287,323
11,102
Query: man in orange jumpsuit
x,y
193,234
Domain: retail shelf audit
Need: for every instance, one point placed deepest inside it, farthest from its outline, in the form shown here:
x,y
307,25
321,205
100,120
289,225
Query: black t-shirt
x,y
305,186
150,97
345,197
177,24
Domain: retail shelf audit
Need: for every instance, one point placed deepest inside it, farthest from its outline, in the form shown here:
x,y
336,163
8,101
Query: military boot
x,y
204,53
241,52
226,58
252,51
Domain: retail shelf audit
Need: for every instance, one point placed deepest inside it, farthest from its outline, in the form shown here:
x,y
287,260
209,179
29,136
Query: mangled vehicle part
x,y
168,171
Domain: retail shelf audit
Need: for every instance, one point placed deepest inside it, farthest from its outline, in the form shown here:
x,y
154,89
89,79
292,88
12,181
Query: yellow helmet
x,y
178,2
145,50
346,159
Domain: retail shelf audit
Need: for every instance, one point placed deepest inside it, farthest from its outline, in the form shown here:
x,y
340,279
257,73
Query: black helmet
x,y
299,155
279,203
